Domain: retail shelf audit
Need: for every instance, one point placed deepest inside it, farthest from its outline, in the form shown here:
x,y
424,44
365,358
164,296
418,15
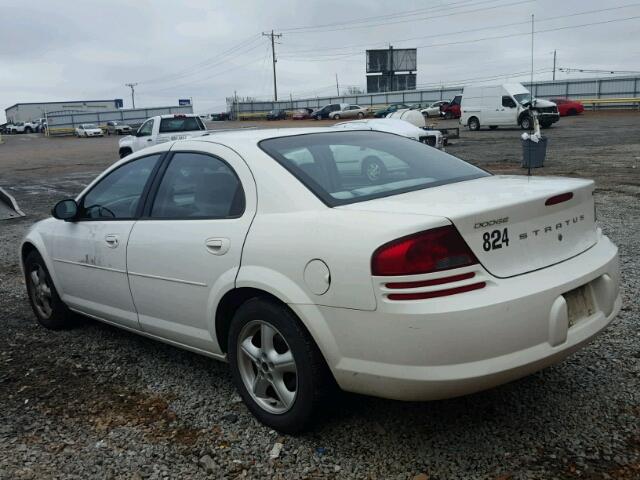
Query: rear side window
x,y
180,124
198,186
350,167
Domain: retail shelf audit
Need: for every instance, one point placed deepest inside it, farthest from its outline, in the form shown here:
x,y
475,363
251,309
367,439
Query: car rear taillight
x,y
430,251
563,197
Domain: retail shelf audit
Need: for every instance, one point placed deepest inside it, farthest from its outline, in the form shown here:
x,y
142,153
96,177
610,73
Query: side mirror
x,y
65,209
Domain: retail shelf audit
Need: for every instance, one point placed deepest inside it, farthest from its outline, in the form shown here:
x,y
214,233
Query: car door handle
x,y
149,139
111,240
217,246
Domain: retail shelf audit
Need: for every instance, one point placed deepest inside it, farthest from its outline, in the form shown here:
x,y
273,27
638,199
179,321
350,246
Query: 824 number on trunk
x,y
495,239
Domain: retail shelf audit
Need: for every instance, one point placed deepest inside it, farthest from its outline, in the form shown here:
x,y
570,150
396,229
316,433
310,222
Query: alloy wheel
x,y
40,291
267,367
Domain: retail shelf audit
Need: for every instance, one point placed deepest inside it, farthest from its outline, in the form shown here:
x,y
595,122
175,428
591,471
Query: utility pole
x,y
337,85
133,92
273,56
554,65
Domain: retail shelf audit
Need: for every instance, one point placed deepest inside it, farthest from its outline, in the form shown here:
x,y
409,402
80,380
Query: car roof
x,y
258,134
173,115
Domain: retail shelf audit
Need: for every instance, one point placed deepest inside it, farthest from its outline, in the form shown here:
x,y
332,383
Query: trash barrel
x,y
533,153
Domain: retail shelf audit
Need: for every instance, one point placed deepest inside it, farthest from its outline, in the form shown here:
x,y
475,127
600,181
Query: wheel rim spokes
x,y
267,366
40,291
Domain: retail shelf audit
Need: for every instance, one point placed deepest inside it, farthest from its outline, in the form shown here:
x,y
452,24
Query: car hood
x,y
539,102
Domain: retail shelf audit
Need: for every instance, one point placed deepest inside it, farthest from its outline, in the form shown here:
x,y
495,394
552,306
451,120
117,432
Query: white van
x,y
504,105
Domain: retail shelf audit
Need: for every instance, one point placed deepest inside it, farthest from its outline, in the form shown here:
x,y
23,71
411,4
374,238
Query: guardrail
x,y
626,101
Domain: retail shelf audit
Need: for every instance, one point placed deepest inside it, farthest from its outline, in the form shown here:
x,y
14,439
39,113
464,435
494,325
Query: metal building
x,y
24,112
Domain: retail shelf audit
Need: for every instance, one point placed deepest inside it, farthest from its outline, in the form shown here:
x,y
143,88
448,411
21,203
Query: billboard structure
x,y
391,69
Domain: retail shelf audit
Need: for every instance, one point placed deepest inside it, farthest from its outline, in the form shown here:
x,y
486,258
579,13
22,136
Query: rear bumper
x,y
451,346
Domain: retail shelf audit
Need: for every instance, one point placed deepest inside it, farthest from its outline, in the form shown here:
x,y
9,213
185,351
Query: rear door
x,y
185,251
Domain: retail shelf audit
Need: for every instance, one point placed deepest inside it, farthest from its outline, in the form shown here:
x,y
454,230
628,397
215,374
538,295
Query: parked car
x,y
322,113
302,114
349,111
89,130
509,104
276,115
568,107
117,128
161,129
433,138
218,117
383,112
452,109
434,109
436,280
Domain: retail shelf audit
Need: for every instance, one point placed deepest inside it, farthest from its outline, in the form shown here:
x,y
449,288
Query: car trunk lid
x,y
509,222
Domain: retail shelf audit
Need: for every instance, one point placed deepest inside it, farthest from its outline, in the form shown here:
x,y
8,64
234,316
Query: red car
x,y
302,114
452,110
568,107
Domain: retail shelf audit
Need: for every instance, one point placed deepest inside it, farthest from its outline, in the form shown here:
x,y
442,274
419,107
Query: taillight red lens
x,y
563,197
433,250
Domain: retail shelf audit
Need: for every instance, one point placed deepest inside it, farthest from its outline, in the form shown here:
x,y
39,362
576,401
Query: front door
x,y
185,251
90,252
144,136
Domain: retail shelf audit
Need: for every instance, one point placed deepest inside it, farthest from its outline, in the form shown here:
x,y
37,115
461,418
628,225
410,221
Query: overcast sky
x,y
80,50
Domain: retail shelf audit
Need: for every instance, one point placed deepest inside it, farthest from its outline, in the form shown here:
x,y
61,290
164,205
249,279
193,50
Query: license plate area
x,y
580,304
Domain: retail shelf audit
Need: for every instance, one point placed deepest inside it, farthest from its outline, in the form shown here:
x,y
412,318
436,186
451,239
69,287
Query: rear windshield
x,y
350,167
180,124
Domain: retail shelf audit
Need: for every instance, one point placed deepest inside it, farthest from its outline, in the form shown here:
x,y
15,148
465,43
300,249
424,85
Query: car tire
x,y
448,115
526,122
426,114
373,170
45,302
360,115
545,125
318,117
336,117
123,152
28,130
286,398
572,112
473,124
493,127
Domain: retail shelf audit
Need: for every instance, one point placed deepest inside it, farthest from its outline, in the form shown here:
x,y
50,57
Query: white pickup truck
x,y
23,127
160,129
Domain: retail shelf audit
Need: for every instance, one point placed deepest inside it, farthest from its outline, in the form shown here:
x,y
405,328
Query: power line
x,y
473,40
241,48
366,21
492,27
415,19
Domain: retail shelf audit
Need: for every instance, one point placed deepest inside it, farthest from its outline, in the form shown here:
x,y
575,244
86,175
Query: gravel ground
x,y
98,402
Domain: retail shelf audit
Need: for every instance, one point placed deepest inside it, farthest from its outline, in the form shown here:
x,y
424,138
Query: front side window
x,y
180,124
508,102
349,167
146,129
117,195
198,186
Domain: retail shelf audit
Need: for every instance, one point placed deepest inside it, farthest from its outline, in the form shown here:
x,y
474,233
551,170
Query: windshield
x,y
349,167
522,98
88,125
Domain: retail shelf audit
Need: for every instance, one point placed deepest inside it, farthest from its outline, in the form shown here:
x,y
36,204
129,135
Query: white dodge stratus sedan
x,y
274,250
